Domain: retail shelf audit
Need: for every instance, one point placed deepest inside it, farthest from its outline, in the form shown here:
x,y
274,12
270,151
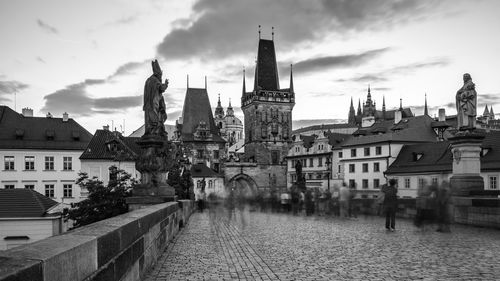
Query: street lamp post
x,y
329,169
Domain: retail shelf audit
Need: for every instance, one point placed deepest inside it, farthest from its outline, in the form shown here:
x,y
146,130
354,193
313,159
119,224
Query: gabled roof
x,y
324,127
170,129
266,71
197,108
97,149
412,129
336,139
432,157
20,132
436,157
202,171
20,202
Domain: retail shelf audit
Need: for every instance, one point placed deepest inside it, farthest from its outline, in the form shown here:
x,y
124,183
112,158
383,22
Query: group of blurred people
x,y
432,203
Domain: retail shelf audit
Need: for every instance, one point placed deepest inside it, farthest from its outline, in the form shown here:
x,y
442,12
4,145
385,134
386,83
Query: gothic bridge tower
x,y
267,110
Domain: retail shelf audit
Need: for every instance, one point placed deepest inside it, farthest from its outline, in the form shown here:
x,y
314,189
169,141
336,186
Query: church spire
x,y
492,114
426,111
219,111
266,69
352,114
486,111
291,78
359,108
369,96
383,107
230,111
244,90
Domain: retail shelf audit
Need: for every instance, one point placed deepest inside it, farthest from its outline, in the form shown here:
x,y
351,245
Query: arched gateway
x,y
243,185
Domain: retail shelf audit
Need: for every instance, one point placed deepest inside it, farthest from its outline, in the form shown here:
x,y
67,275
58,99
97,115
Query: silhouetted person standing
x,y
390,204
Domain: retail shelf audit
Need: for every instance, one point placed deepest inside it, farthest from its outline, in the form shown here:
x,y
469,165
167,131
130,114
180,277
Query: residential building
x,y
27,216
106,149
214,182
315,154
424,164
365,157
41,153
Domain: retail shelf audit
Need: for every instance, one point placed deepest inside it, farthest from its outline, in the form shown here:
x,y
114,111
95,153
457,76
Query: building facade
x,y
106,149
41,153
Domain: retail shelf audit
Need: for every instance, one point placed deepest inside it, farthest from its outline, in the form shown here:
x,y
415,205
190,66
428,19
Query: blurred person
x,y
390,204
442,203
344,196
352,208
309,202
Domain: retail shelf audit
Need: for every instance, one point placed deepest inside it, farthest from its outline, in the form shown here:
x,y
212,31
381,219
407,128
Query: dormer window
x,y
19,134
75,135
417,156
50,134
112,146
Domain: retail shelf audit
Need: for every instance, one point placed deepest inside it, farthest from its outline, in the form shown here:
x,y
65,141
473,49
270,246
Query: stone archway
x,y
243,185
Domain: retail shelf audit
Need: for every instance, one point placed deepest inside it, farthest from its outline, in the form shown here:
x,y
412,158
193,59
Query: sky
x,y
91,58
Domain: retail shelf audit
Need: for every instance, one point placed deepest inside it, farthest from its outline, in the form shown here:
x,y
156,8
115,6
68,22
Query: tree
x,y
103,201
180,179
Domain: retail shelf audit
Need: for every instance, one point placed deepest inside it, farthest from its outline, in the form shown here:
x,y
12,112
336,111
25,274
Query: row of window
x,y
366,150
365,183
492,182
49,189
29,163
364,166
311,162
320,147
312,176
200,153
211,184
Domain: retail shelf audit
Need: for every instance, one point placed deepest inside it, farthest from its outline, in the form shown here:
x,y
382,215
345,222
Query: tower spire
x,y
259,31
291,78
272,33
244,90
352,114
205,82
369,97
187,80
401,104
359,108
426,111
383,107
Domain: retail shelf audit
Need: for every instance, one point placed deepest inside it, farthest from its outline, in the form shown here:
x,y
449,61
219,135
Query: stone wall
x,y
477,211
259,173
124,247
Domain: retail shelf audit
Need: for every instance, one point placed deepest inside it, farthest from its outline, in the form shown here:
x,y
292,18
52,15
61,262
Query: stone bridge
x,y
120,248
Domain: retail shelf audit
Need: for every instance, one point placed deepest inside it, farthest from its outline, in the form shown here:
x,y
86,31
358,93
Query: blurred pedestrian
x,y
390,204
328,202
443,216
344,196
352,207
309,202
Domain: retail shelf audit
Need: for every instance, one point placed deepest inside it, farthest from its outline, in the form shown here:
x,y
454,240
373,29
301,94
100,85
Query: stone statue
x,y
298,170
154,104
466,101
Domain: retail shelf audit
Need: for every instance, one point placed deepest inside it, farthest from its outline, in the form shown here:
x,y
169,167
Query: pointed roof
x,y
426,111
492,114
21,202
197,108
291,78
244,84
219,111
266,70
128,149
230,111
486,112
359,107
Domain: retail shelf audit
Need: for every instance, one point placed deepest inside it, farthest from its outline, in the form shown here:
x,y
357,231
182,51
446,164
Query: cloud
x,y
386,75
117,22
46,27
488,99
223,28
75,99
341,61
39,59
7,88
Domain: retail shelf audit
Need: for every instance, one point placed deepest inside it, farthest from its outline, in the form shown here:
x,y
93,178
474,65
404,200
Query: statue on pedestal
x,y
466,101
154,104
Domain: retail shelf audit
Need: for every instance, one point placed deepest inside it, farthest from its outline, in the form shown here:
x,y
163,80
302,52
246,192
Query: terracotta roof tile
x,y
17,202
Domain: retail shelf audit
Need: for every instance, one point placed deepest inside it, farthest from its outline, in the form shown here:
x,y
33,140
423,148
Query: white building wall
x,y
100,168
213,185
389,153
39,177
34,228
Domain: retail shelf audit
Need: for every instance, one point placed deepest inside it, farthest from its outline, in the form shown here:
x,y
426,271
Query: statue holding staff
x,y
154,104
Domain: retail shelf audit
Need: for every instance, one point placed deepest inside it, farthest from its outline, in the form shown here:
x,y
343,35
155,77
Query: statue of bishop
x,y
154,104
466,101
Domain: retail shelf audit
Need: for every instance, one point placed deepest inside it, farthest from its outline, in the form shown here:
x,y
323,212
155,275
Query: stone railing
x,y
124,247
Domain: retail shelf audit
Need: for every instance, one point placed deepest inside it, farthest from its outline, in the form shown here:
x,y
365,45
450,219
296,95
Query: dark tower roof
x,y
197,108
359,108
352,114
219,111
426,111
266,70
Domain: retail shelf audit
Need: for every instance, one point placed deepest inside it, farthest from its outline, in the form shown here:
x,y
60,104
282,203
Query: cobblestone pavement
x,y
243,245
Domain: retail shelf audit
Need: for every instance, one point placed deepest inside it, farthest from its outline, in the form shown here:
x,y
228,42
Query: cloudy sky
x,y
91,58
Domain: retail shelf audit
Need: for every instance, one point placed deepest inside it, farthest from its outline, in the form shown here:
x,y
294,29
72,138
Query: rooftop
x,y
20,132
107,145
21,203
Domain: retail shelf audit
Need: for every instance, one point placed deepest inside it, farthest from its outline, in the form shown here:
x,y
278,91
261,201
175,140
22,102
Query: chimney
x,y
65,117
49,115
442,115
105,127
398,115
27,112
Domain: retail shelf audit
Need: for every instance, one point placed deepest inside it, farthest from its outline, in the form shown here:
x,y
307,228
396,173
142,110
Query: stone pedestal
x,y
153,163
466,151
